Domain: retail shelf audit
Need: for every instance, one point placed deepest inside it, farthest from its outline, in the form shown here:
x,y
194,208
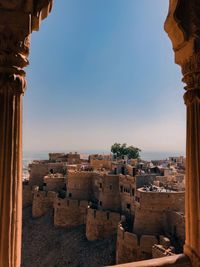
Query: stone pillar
x,y
17,20
183,27
191,72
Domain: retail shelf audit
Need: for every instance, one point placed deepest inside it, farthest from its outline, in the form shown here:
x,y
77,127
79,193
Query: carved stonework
x,y
191,72
184,16
14,51
176,23
18,18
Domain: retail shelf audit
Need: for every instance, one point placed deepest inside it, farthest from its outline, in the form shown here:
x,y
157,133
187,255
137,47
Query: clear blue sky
x,y
102,71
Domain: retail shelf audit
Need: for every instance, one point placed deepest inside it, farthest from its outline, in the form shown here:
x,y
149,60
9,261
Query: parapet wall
x,y
42,202
101,163
175,226
131,247
101,224
69,212
151,208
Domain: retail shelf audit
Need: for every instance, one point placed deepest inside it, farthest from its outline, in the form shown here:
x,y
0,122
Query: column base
x,y
194,258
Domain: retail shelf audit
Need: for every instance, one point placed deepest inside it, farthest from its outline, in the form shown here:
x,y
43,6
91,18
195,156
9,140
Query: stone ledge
x,y
172,261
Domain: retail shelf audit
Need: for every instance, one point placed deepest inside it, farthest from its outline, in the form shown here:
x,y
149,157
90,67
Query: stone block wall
x,y
151,207
109,198
54,184
127,192
42,202
69,212
101,224
80,184
101,163
131,247
41,168
127,246
175,226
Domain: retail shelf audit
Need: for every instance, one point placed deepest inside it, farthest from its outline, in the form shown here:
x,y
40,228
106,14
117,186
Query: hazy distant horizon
x,y
146,155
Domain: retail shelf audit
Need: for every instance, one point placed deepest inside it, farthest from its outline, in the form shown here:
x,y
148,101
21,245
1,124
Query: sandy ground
x,y
47,246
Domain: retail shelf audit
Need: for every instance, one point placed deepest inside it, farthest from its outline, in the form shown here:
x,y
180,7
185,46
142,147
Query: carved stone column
x,y
183,28
17,20
191,72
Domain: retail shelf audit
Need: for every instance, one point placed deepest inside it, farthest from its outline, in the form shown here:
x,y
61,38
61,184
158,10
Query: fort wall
x,y
101,224
151,207
175,226
42,202
131,247
69,212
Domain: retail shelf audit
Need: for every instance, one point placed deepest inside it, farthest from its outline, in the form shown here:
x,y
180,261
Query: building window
x,y
128,206
100,203
133,191
108,215
100,185
70,194
110,187
121,188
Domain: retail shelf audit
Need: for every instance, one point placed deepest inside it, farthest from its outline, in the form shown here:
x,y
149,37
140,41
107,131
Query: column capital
x,y
18,18
183,28
191,77
38,9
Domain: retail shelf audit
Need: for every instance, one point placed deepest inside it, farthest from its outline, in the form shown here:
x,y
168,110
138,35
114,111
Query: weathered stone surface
x,y
184,19
101,224
46,245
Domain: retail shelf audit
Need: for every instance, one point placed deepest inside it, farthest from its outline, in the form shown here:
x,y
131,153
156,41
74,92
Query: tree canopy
x,y
120,150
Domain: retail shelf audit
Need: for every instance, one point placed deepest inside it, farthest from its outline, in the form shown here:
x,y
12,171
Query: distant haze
x,y
103,72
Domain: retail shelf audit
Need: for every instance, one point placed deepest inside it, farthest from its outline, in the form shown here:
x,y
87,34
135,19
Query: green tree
x,y
122,150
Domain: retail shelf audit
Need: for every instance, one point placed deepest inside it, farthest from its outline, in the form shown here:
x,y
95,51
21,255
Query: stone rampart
x,y
131,247
151,207
175,226
101,224
69,212
42,202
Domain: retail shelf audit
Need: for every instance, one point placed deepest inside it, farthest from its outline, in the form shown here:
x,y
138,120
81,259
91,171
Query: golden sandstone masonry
x,y
17,20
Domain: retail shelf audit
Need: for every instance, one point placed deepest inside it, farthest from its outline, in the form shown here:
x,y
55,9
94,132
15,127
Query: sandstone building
x,y
18,19
142,209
